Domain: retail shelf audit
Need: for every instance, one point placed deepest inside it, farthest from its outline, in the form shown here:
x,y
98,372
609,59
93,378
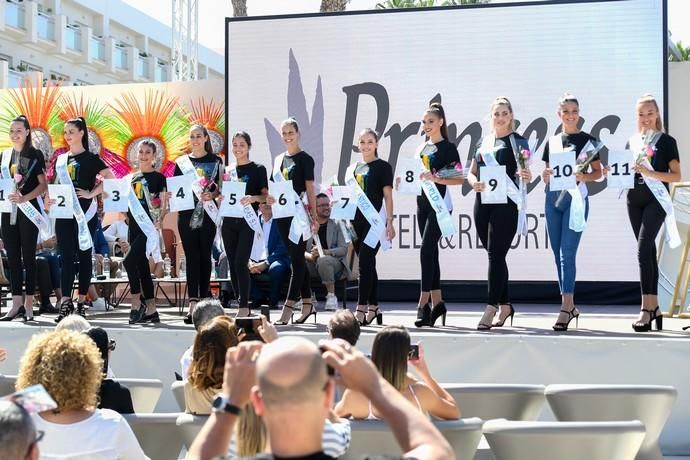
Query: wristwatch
x,y
221,404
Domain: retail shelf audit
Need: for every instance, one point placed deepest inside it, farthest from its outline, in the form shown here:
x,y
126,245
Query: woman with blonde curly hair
x,y
69,366
205,377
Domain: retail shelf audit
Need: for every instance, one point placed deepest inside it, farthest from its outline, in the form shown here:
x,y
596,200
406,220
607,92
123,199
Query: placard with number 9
x,y
283,193
563,166
233,192
6,187
345,202
180,187
63,207
621,174
495,186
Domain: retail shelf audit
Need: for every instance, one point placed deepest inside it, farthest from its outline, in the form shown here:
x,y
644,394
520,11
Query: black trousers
x,y
496,228
368,277
197,245
299,279
136,263
20,242
66,232
428,253
646,217
238,238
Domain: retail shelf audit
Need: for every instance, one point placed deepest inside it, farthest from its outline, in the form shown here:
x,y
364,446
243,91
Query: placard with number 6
x,y
180,187
408,170
495,187
344,202
283,193
621,174
63,207
6,187
232,193
117,191
563,166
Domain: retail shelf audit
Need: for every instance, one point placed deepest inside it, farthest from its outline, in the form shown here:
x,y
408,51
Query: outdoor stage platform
x,y
603,350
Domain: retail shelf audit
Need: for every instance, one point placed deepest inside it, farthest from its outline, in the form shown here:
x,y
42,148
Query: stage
x,y
604,349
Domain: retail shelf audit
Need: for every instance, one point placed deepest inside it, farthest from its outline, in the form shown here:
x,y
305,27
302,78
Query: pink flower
x,y
525,154
582,157
458,166
649,151
226,177
155,202
204,182
18,178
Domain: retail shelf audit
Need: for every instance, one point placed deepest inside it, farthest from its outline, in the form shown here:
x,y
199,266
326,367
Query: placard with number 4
x,y
63,207
182,197
117,192
621,174
495,187
6,187
344,202
232,193
283,193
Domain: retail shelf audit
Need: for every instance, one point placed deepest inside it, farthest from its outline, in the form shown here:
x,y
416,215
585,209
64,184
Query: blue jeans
x,y
278,272
564,241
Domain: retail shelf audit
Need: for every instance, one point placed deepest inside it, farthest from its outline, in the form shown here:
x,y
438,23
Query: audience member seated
x,y
48,273
117,234
205,311
18,436
344,325
112,395
70,367
390,354
205,377
272,265
222,271
75,323
331,266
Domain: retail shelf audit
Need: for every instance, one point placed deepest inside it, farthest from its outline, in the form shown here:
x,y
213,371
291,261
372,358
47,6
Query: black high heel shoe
x,y
363,321
20,313
439,310
500,321
573,314
378,316
423,316
312,311
188,316
66,309
285,323
654,315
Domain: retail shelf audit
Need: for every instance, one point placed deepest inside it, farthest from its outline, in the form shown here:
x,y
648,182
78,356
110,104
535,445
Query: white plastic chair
x,y
145,393
189,426
7,384
177,389
489,401
158,435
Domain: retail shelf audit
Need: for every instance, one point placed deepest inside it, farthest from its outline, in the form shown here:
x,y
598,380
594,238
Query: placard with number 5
x,y
182,197
232,193
283,193
563,167
344,202
117,192
6,187
621,174
63,207
495,187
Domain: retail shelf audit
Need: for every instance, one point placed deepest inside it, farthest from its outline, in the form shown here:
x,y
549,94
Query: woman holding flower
x,y
498,223
558,206
149,188
26,166
197,229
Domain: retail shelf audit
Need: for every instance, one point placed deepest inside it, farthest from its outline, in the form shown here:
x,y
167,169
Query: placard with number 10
x,y
344,202
563,166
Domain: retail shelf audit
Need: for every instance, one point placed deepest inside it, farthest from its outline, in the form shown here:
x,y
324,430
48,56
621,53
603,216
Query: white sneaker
x,y
98,304
331,303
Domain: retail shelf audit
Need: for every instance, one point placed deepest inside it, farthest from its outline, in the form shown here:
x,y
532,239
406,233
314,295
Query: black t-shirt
x,y
31,165
116,397
323,231
254,175
209,166
504,156
372,178
299,168
666,150
446,155
155,182
83,169
577,140
314,456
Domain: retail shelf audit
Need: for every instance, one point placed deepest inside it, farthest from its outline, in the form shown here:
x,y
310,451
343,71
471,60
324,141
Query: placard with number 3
x,y
495,187
6,187
117,192
283,193
344,202
182,197
63,207
232,193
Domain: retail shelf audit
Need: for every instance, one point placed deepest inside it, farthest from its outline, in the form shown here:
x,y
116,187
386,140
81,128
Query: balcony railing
x,y
14,15
161,71
14,79
46,27
120,58
98,48
73,38
143,67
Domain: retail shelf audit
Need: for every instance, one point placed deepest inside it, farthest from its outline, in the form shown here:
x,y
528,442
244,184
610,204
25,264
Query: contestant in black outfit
x,y
297,166
19,234
644,210
375,177
197,235
443,154
497,223
82,167
148,185
238,236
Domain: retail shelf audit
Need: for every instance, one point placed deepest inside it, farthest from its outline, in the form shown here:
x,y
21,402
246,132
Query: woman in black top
x,y
149,188
297,166
557,208
19,234
497,223
438,153
375,178
644,210
198,242
238,236
83,167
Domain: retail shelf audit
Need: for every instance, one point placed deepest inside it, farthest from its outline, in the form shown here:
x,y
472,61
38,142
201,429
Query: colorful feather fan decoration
x,y
211,115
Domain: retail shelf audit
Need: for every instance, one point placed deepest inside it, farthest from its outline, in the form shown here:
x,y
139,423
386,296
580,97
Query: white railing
x,y
73,38
14,79
120,58
143,67
46,27
97,48
161,71
14,15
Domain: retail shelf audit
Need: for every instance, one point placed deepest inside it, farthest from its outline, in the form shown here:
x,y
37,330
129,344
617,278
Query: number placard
x,y
495,186
621,174
232,193
118,195
563,166
344,202
283,193
408,170
182,197
6,187
63,207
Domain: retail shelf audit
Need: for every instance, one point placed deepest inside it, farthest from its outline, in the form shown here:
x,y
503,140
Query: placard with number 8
x,y
283,193
408,170
6,187
563,166
495,186
621,174
232,193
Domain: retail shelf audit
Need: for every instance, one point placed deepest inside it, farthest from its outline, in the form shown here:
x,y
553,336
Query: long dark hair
x,y
27,143
80,124
244,135
207,144
437,108
371,132
389,354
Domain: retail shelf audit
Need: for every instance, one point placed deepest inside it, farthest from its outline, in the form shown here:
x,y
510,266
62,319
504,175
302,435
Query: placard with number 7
x,y
6,187
117,192
232,193
621,174
495,187
180,187
344,202
283,193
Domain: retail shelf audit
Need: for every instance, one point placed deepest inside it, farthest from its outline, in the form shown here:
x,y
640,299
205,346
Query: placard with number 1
x,y
6,187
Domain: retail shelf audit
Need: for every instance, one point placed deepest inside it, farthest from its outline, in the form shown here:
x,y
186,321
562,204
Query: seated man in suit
x,y
272,262
330,266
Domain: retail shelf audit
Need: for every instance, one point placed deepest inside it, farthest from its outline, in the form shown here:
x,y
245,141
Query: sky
x,y
212,12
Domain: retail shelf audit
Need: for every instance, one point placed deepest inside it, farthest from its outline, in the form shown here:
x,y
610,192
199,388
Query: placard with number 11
x,y
621,174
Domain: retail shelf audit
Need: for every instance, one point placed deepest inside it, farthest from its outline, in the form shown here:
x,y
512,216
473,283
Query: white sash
x,y
84,236
658,189
299,227
145,223
377,230
577,219
34,215
438,202
250,215
187,167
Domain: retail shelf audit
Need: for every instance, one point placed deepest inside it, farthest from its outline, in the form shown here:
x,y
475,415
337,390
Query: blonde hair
x,y
75,323
69,366
650,99
502,100
251,433
210,345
